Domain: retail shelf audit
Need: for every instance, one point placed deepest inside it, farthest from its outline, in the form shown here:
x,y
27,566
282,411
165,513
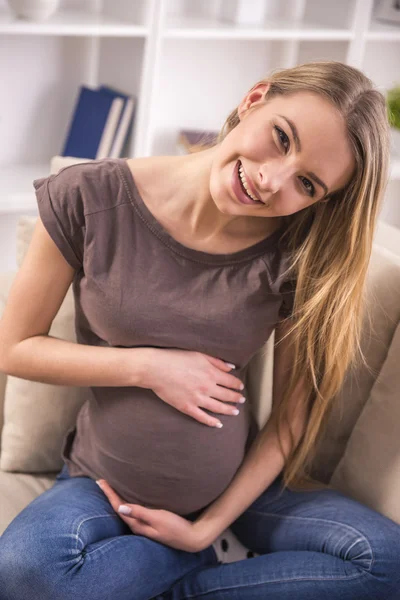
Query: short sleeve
x,y
287,291
61,210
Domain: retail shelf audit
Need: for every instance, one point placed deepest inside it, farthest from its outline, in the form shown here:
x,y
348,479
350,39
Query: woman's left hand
x,y
160,525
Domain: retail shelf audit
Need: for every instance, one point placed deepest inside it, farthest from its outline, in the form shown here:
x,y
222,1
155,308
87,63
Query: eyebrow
x,y
298,148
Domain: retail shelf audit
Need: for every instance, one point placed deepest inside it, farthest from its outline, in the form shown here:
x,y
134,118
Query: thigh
x,y
49,544
67,507
324,521
69,542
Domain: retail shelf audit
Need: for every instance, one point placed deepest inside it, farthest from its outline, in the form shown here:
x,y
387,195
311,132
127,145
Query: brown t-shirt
x,y
137,286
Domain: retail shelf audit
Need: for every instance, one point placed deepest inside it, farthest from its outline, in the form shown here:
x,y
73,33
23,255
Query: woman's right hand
x,y
191,381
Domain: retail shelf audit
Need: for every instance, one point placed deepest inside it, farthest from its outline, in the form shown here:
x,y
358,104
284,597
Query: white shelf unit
x,y
277,29
186,66
72,23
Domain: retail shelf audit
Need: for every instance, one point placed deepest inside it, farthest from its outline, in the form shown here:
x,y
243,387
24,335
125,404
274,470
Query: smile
x,y
245,185
241,187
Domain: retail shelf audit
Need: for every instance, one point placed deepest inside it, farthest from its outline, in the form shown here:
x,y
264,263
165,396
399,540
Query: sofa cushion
x,y
37,415
259,382
17,491
369,470
383,313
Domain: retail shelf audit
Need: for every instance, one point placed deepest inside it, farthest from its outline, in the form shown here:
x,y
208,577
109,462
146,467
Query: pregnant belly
x,y
155,455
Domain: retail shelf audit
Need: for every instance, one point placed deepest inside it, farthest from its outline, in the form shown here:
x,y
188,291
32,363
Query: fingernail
x,y
231,365
125,510
219,424
242,399
98,483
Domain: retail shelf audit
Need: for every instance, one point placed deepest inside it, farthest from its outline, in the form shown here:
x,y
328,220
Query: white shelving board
x,y
71,23
202,28
381,32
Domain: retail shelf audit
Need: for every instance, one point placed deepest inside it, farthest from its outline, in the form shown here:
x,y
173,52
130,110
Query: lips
x,y
238,189
250,185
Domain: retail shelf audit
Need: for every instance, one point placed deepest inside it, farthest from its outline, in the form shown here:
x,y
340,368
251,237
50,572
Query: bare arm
x,y
52,360
26,349
262,464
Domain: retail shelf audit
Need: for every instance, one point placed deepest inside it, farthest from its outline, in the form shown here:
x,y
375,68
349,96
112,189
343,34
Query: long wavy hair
x,y
329,245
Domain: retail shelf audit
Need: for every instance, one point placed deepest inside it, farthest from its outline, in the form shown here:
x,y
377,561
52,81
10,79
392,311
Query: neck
x,y
182,193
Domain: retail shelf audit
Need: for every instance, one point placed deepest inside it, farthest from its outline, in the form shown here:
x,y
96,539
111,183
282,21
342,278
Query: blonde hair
x,y
329,246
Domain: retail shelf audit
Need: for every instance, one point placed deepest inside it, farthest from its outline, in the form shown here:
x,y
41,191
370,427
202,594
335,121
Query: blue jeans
x,y
69,544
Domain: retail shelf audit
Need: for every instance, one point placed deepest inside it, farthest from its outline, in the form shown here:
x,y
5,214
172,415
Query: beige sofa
x,y
359,452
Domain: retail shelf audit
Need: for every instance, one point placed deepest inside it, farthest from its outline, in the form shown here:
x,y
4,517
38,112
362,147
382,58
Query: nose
x,y
272,176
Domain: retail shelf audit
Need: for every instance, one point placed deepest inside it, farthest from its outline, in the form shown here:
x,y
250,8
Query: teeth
x,y
246,187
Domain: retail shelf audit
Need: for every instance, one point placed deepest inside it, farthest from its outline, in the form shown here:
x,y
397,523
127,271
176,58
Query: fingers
x,y
114,498
225,379
220,407
229,381
138,513
221,364
138,523
221,393
203,417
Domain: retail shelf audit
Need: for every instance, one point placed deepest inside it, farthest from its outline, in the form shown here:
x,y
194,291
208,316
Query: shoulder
x,y
281,279
92,185
277,261
151,174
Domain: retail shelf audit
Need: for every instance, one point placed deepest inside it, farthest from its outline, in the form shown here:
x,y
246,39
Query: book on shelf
x,y
194,140
125,120
100,124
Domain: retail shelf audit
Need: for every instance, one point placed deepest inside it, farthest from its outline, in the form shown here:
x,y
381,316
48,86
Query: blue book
x,y
93,124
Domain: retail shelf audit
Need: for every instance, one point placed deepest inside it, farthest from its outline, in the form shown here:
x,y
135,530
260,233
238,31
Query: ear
x,y
253,98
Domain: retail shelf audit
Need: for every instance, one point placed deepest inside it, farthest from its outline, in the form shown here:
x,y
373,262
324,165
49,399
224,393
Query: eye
x,y
283,138
310,190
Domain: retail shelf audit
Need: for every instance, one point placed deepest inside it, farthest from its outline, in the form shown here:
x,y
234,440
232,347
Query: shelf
x,y
71,23
380,32
179,27
18,193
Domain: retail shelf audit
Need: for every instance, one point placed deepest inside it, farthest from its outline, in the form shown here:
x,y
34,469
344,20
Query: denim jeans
x,y
70,544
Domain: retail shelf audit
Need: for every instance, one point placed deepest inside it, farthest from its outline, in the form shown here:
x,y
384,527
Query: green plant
x,y
393,106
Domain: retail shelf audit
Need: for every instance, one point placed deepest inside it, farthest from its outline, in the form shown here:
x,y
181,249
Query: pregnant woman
x,y
181,267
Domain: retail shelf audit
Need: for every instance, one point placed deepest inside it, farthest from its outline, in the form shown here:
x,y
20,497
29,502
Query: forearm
x,y
51,360
260,467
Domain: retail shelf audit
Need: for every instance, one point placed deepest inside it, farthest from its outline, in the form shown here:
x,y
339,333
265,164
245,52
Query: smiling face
x,y
293,151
